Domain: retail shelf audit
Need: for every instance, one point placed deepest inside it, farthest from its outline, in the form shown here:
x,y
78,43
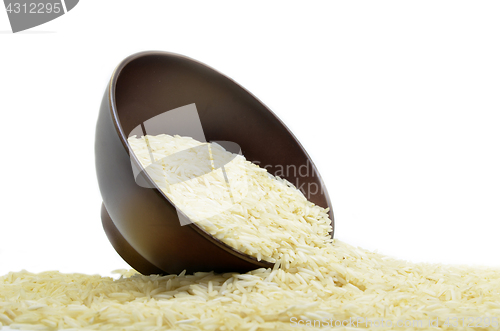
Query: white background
x,y
397,102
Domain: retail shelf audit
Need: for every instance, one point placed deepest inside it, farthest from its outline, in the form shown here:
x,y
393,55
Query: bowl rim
x,y
112,85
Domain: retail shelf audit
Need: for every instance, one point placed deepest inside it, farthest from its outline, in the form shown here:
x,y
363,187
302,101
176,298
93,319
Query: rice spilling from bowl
x,y
316,282
239,203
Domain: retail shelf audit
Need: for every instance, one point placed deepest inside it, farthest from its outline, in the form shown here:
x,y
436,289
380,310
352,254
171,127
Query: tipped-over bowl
x,y
140,221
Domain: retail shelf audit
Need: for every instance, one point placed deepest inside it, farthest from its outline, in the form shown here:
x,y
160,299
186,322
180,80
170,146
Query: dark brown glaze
x,y
123,248
142,223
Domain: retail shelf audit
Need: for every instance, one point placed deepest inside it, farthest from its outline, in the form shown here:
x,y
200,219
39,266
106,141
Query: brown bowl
x,y
142,223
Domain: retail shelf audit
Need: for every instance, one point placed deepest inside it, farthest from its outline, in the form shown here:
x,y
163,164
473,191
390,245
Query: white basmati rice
x,y
313,283
253,211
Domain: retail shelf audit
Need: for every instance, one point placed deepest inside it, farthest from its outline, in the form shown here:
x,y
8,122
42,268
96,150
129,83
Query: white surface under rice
x,y
352,283
315,283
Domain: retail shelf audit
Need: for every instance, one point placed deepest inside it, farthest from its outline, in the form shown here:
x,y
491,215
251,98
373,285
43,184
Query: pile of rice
x,y
240,203
316,282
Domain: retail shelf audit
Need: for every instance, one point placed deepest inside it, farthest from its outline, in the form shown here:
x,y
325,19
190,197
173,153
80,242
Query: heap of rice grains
x,y
315,283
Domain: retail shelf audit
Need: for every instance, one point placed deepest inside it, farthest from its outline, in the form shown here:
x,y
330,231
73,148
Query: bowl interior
x,y
158,92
